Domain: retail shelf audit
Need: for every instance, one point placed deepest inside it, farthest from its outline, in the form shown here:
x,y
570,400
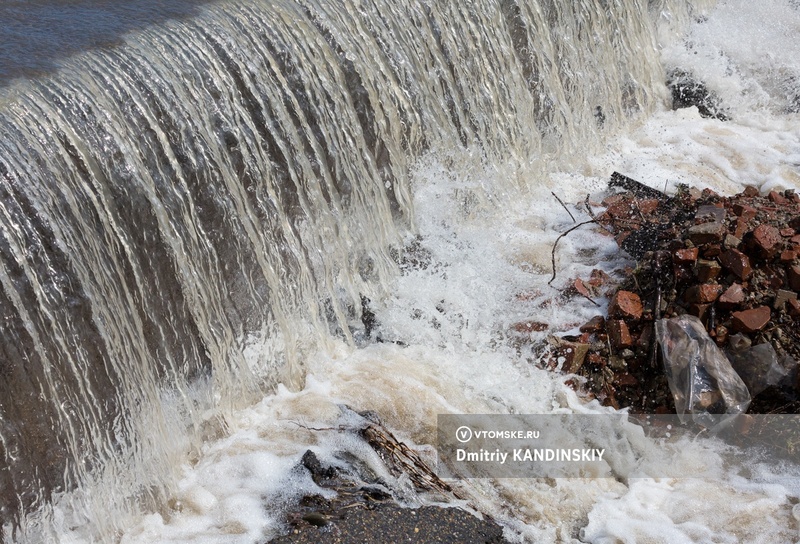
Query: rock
x,y
732,297
767,239
619,334
751,320
787,232
598,278
625,305
704,293
647,206
699,310
736,262
788,255
581,288
595,324
624,379
706,270
782,297
707,233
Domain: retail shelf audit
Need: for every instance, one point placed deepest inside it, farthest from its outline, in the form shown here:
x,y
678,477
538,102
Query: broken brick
x,y
744,211
782,297
647,206
788,255
777,198
736,262
706,270
793,305
732,297
704,293
767,239
598,278
685,256
787,232
751,320
619,333
751,191
624,379
625,305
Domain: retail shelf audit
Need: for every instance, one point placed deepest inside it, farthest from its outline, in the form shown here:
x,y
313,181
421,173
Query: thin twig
x,y
589,207
563,205
553,254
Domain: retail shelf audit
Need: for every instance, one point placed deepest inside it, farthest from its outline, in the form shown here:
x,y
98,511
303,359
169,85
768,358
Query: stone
x,y
795,223
595,324
625,305
751,320
787,232
712,250
793,275
732,297
742,227
626,380
597,360
581,288
767,239
737,263
707,233
699,310
706,270
619,333
788,255
530,326
782,297
795,239
705,293
731,241
685,256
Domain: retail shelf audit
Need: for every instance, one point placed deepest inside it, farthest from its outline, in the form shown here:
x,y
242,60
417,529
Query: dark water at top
x,y
36,34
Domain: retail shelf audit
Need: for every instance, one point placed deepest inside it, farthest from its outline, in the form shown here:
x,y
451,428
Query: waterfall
x,y
238,178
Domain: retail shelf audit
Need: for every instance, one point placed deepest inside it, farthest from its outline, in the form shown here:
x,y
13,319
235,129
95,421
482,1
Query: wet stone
x,y
793,275
619,333
751,320
793,307
731,241
704,293
685,256
782,297
744,211
530,326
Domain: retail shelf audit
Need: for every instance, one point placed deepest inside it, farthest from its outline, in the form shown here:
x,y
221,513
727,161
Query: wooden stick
x,y
553,253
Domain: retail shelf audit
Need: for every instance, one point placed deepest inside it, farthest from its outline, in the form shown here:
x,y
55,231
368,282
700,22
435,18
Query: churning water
x,y
196,201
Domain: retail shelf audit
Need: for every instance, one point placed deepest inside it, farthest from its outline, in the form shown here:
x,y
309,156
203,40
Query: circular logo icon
x,y
463,434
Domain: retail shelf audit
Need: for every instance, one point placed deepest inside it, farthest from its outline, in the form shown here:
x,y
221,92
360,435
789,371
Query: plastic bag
x,y
702,380
758,365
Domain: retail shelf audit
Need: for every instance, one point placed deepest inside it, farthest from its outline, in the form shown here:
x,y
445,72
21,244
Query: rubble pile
x,y
733,262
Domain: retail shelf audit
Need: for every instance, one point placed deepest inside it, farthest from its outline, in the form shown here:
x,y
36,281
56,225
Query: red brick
x,y
598,278
736,262
732,297
787,232
744,211
619,334
625,305
647,206
685,256
581,288
767,239
751,320
777,198
795,239
751,191
703,293
788,255
626,379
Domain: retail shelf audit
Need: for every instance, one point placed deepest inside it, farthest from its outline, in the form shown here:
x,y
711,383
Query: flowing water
x,y
198,201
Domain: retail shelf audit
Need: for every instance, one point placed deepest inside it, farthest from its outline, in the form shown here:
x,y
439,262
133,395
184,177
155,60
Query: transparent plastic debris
x,y
758,366
701,378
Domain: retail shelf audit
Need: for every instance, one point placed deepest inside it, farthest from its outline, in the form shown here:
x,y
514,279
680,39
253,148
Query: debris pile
x,y
732,262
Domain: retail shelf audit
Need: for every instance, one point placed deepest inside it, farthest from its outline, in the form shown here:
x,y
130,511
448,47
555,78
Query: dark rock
x,y
793,275
619,334
530,326
686,256
595,324
782,297
751,191
707,270
687,91
793,306
704,293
